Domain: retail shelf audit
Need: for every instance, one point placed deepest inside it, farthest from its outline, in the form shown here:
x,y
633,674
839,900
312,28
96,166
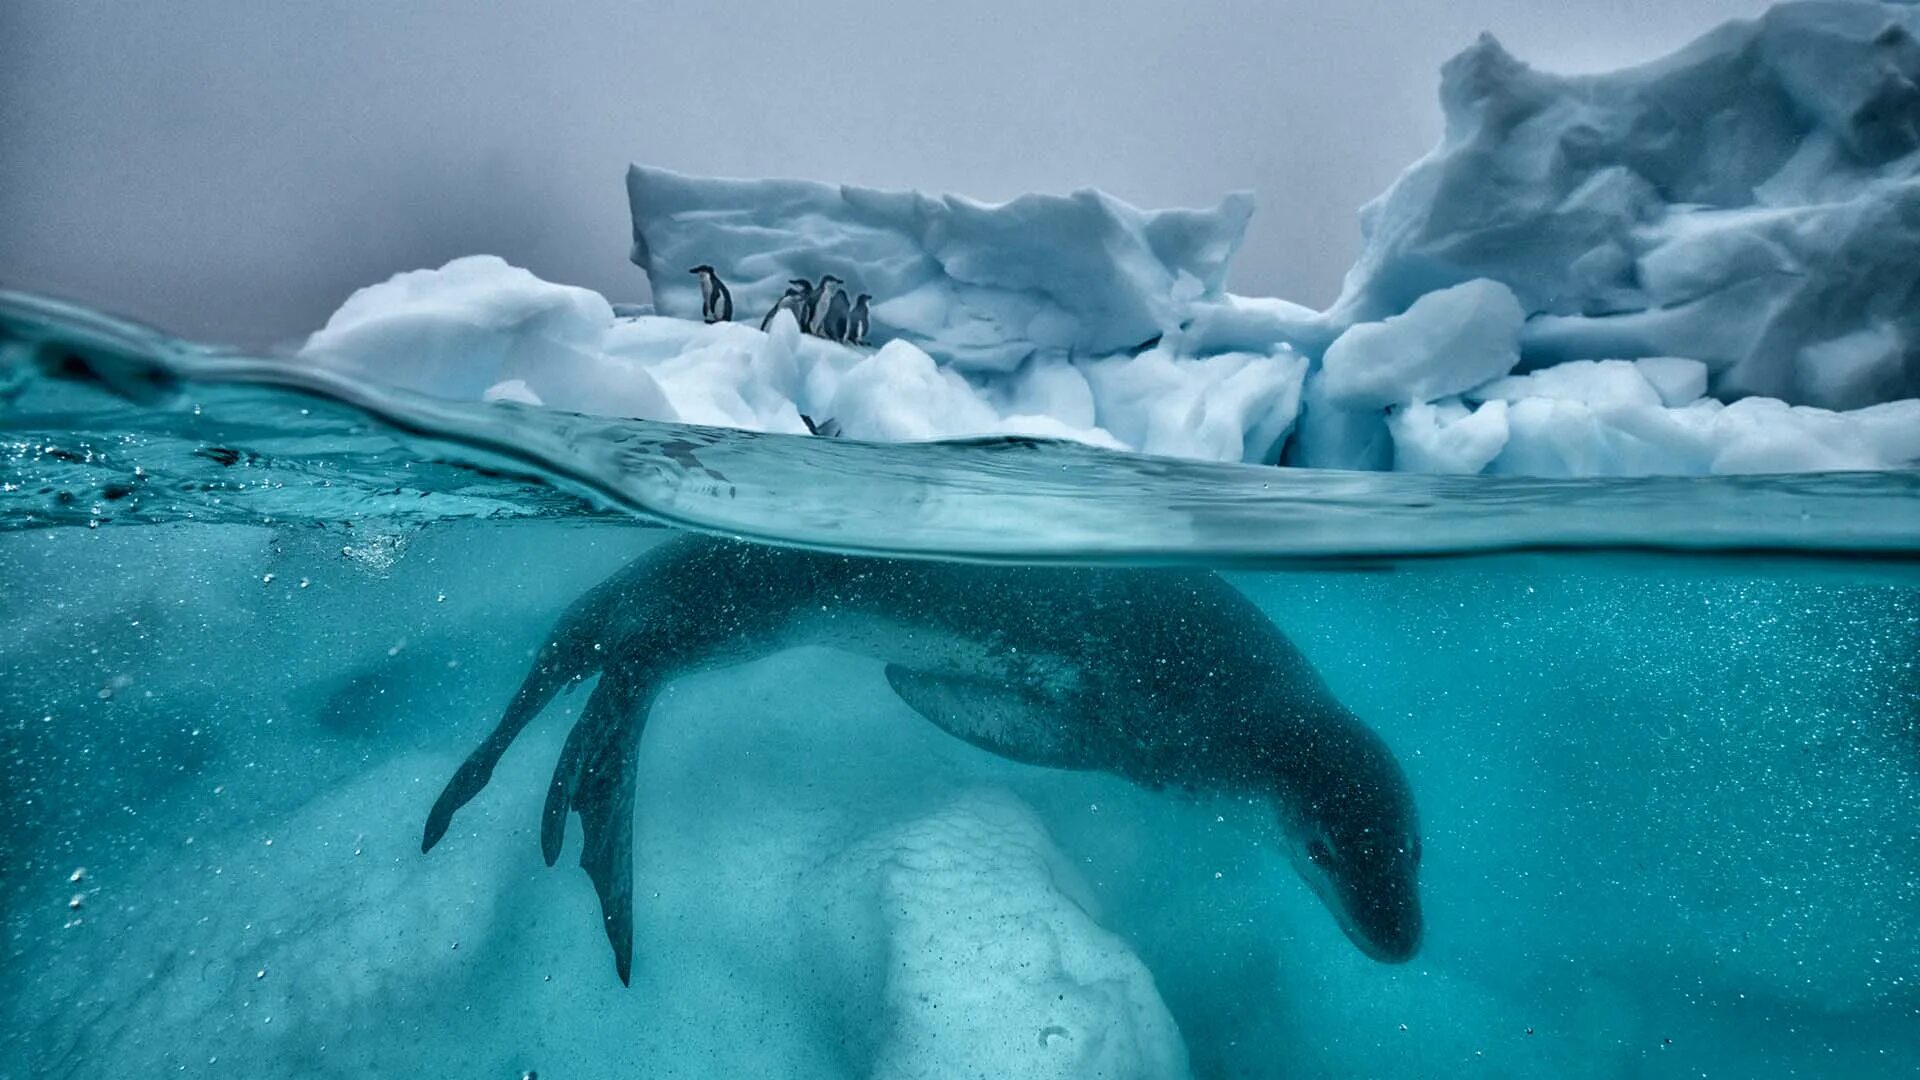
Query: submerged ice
x,y
1706,264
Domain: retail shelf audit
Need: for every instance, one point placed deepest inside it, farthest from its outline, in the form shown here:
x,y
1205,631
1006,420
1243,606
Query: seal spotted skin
x,y
1161,676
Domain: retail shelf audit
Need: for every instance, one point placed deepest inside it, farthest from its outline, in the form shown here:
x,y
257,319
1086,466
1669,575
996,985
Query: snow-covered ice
x,y
1043,278
1708,263
1752,201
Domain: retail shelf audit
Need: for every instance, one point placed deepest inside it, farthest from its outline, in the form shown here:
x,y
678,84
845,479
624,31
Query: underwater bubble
x,y
377,554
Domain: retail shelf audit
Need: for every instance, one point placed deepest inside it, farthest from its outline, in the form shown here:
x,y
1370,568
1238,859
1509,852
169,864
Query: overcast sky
x,y
231,169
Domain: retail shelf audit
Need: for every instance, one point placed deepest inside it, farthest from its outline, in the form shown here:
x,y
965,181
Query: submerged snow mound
x,y
981,287
1752,202
990,962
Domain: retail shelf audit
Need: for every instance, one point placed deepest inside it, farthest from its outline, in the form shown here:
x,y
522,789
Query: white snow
x,y
1702,264
436,331
477,324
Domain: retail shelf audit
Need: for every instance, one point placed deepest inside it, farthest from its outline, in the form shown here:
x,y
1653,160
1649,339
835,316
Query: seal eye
x,y
1318,851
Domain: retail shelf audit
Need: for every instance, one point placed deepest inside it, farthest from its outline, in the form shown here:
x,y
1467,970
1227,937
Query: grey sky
x,y
231,169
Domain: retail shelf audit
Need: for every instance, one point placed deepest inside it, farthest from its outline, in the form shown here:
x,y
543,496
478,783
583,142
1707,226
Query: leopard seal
x,y
1162,676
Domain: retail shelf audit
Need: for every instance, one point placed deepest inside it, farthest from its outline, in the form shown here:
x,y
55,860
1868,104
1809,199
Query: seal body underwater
x,y
1162,676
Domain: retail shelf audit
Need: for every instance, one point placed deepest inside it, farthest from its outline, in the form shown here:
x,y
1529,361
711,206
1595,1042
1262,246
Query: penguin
x,y
810,295
716,303
833,324
828,428
818,303
792,300
857,321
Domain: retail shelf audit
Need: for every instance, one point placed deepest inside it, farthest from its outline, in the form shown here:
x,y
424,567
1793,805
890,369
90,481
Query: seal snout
x,y
1388,927
1398,944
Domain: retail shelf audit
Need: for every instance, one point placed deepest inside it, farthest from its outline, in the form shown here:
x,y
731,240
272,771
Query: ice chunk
x,y
1676,379
899,394
1873,363
1446,438
1604,382
476,324
1760,435
1584,418
1449,341
514,390
982,287
1231,407
1562,437
1740,202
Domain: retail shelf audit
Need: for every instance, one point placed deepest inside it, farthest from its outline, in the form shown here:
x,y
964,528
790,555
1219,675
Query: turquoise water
x,y
1664,737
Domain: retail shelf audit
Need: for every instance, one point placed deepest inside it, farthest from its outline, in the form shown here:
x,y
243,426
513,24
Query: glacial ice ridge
x,y
1705,264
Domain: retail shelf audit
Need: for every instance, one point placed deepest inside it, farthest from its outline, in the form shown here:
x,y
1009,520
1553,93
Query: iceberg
x,y
1703,264
1752,202
1043,278
479,329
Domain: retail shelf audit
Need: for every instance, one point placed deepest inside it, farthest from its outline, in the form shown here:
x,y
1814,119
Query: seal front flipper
x,y
550,672
1016,724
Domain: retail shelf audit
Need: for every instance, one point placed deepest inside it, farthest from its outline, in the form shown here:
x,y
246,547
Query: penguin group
x,y
822,310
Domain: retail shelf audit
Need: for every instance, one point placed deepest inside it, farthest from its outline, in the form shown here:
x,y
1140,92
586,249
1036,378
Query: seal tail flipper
x,y
605,802
549,674
595,776
608,710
